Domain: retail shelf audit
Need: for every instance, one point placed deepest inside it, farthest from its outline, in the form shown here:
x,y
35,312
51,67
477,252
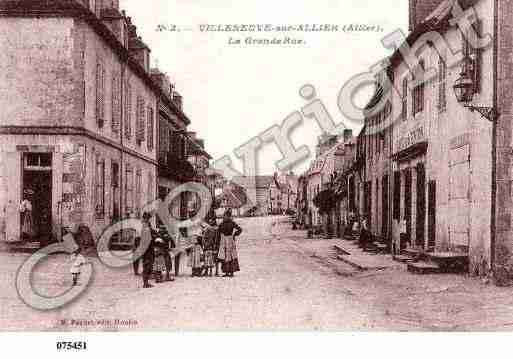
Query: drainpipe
x,y
493,214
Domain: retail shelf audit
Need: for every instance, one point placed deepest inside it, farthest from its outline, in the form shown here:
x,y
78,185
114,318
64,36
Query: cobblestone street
x,y
286,282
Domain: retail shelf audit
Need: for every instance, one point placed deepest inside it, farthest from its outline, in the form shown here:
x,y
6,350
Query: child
x,y
196,258
159,265
77,261
209,247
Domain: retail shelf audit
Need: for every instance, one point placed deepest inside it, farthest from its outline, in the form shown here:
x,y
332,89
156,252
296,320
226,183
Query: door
x,y
37,188
115,190
421,205
459,198
431,215
385,207
408,202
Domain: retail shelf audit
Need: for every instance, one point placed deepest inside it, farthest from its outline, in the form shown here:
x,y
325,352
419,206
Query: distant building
x,y
257,191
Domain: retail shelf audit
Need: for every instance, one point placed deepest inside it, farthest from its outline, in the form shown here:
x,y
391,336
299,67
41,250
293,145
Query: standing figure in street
x,y
209,247
166,247
364,233
149,255
159,264
77,261
27,226
228,230
196,258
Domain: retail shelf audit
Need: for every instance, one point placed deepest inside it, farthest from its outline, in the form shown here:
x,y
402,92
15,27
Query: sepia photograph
x,y
255,166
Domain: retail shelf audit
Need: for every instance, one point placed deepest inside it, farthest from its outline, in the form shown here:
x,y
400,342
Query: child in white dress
x,y
77,261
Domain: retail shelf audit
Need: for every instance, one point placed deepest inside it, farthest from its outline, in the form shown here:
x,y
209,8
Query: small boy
x,y
77,261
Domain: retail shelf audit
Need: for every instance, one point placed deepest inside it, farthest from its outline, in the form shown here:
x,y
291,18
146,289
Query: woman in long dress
x,y
27,226
228,230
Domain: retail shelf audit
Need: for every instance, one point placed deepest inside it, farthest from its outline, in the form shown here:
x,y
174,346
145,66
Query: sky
x,y
233,93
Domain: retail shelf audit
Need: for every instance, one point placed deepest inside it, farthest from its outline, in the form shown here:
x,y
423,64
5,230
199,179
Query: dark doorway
x,y
421,205
385,207
408,202
431,215
37,187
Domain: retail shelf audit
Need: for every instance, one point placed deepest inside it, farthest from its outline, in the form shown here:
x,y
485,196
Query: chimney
x,y
115,20
178,100
138,49
348,134
162,80
420,10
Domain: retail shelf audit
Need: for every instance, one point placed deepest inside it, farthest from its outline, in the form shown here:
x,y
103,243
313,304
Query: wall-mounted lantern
x,y
464,91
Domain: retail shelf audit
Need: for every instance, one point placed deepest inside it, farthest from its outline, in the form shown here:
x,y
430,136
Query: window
x,y
99,197
404,109
473,68
418,91
116,104
128,111
141,123
442,77
129,189
150,129
418,99
100,94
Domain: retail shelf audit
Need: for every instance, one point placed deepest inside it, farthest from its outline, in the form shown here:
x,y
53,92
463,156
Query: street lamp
x,y
464,92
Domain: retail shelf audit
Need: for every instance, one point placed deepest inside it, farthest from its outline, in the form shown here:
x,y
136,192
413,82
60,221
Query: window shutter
x,y
150,129
116,104
100,88
128,112
141,123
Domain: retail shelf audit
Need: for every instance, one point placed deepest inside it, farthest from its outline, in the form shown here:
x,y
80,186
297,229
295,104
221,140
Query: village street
x,y
287,283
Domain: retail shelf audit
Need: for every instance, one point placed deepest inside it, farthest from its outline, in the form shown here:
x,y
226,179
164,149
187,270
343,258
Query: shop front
x,y
410,200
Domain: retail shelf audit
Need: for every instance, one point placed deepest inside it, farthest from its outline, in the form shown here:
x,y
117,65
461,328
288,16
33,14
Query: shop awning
x,y
417,149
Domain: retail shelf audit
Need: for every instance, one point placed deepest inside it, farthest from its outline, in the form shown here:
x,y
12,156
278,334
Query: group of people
x,y
216,245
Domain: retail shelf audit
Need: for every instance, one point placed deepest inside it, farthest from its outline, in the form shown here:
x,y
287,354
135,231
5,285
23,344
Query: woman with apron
x,y
228,230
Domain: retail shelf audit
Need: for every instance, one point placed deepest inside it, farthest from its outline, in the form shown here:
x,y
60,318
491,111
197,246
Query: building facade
x,y
78,128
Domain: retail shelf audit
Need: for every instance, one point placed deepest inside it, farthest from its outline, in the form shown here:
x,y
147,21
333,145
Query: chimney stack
x,y
178,100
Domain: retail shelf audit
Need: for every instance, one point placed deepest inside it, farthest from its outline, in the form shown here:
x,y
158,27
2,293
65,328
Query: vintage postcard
x,y
329,165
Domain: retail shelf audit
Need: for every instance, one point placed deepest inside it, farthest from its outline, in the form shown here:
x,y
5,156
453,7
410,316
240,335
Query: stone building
x,y
173,167
78,120
452,135
376,139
